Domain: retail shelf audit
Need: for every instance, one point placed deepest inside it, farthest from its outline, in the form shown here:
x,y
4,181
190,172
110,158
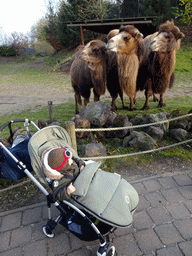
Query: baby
x,y
61,168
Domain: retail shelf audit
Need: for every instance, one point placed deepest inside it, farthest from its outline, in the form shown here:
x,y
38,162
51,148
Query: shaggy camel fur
x,y
155,74
128,46
88,70
112,74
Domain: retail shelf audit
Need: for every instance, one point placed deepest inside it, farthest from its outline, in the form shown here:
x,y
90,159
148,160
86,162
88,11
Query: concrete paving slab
x,y
162,225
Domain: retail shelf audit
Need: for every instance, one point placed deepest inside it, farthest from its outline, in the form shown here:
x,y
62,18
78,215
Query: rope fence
x,y
135,127
130,127
122,155
137,153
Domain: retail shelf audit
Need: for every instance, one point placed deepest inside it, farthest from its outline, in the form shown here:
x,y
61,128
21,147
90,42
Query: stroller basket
x,y
101,203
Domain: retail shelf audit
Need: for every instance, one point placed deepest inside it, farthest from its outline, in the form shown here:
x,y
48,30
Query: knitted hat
x,y
57,159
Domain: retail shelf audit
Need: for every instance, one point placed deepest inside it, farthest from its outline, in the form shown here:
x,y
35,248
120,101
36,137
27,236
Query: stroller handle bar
x,y
26,121
26,124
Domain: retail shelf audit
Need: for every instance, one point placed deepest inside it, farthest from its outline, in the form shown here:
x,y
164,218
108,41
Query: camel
x,y
112,74
155,74
88,70
128,46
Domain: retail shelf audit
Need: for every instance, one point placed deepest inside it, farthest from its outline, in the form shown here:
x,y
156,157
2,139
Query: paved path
x,y
162,225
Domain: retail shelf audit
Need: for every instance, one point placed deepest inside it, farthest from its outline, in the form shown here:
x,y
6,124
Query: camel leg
x,y
134,98
86,101
148,94
96,96
161,102
155,99
122,100
86,95
78,101
132,104
113,105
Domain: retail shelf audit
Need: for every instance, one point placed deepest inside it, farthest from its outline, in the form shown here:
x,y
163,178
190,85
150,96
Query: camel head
x,y
112,33
167,39
94,53
127,41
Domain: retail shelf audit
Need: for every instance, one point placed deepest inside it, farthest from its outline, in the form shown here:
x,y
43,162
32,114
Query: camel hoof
x,y
132,109
113,107
145,108
161,105
155,100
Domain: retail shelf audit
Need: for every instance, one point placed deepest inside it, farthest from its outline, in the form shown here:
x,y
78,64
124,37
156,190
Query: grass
x,y
183,60
14,74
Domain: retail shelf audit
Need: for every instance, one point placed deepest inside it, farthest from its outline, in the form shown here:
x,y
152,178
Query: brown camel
x,y
128,46
155,74
88,70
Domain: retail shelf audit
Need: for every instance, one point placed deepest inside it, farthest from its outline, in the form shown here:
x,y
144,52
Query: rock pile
x,y
100,115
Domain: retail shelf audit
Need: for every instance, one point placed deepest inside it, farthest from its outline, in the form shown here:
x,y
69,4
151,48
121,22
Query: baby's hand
x,y
70,189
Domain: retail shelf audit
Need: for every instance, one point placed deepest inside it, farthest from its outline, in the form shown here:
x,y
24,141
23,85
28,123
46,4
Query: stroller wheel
x,y
48,232
110,250
106,250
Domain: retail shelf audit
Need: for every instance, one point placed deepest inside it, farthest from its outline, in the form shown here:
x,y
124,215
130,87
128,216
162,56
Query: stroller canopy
x,y
51,136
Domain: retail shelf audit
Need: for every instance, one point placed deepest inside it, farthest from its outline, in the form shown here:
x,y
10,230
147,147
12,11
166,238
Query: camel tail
x,y
172,79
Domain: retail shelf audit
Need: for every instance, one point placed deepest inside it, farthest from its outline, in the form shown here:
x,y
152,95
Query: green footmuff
x,y
105,195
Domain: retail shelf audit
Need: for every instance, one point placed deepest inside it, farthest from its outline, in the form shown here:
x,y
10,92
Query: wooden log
x,y
70,128
50,106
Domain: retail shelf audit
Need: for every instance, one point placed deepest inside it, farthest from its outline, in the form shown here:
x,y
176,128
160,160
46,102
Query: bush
x,y
7,51
43,47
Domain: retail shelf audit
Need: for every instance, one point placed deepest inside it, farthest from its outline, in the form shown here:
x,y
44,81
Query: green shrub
x,y
39,54
7,51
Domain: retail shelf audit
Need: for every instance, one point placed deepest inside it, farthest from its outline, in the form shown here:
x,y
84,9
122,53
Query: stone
x,y
42,123
137,120
139,140
55,123
93,149
97,113
110,119
155,132
181,125
119,121
82,123
178,134
153,118
189,127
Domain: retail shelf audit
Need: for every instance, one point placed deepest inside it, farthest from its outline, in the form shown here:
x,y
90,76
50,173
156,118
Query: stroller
x,y
101,203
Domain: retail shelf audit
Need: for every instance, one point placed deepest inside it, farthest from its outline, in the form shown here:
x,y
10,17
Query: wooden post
x,y
82,36
70,128
50,105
